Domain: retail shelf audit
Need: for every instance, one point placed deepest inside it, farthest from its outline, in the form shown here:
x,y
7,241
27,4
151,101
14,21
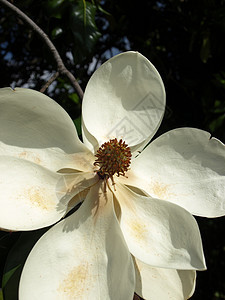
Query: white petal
x,y
32,196
125,98
159,283
53,159
184,166
158,232
89,140
29,119
82,257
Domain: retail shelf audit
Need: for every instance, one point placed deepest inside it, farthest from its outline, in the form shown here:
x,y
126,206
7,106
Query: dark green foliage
x,y
15,262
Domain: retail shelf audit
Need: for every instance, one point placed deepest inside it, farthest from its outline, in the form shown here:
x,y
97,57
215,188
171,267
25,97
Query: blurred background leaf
x,y
15,262
82,24
1,295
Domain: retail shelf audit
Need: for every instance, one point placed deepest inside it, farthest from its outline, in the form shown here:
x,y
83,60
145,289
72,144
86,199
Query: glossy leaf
x,y
56,32
82,23
53,8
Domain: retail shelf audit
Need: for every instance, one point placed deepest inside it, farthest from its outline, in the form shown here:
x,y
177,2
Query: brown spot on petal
x,y
39,197
139,230
76,283
161,191
30,156
83,161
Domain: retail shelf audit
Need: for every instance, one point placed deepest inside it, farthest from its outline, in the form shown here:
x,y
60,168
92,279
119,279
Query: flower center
x,y
112,157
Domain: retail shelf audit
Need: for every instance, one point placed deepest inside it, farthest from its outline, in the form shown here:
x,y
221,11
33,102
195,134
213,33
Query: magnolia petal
x,y
29,119
158,232
32,196
159,283
184,166
53,159
127,97
89,140
82,257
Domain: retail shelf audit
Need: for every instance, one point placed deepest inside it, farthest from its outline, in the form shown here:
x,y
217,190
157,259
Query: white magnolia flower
x,y
134,232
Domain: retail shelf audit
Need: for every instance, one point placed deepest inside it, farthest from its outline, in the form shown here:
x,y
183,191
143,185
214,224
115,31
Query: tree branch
x,y
50,81
60,65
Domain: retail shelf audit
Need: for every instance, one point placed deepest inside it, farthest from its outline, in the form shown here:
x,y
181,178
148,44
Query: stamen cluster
x,y
113,157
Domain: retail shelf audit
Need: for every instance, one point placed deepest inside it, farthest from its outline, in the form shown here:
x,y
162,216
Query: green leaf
x,y
77,123
1,295
217,123
84,29
54,3
15,262
53,8
220,79
56,32
219,107
74,97
205,49
84,12
8,275
99,7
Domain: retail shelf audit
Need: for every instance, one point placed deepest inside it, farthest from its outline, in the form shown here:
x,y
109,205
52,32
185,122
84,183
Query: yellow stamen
x,y
113,157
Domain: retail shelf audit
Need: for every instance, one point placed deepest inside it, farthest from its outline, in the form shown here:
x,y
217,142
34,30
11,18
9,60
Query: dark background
x,y
185,40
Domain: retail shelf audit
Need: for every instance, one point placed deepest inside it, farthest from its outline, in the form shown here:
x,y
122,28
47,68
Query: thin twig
x,y
60,65
50,81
